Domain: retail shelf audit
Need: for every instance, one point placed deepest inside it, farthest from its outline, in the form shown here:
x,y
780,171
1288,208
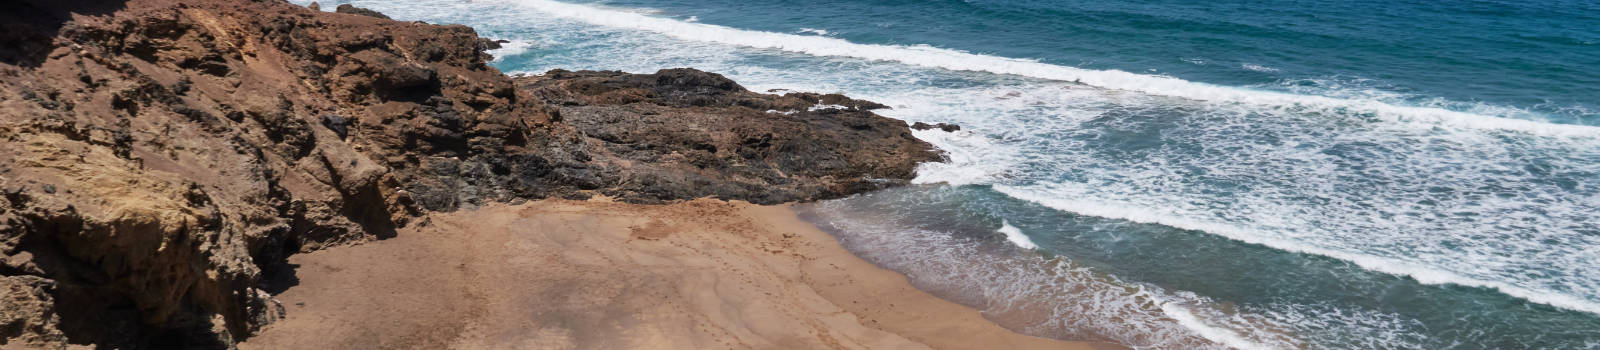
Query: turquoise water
x,y
1267,174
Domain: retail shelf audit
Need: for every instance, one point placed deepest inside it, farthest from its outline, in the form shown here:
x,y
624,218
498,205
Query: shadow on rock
x,y
27,26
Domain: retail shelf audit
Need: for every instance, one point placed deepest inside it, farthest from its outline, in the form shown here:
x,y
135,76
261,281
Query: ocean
x,y
1271,174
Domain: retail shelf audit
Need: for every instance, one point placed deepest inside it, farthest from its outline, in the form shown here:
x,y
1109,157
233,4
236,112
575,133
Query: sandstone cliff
x,y
159,159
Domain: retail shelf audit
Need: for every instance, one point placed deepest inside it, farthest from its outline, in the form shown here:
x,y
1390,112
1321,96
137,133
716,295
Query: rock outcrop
x,y
159,159
682,133
946,127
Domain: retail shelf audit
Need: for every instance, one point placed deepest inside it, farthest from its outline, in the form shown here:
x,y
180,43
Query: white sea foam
x,y
966,163
1016,236
511,48
1051,298
1028,127
999,121
1216,334
1258,68
820,106
928,56
822,32
1423,274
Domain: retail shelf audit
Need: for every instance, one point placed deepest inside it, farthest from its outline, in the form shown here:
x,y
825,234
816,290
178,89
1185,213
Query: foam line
x,y
1219,335
1015,235
928,56
1422,274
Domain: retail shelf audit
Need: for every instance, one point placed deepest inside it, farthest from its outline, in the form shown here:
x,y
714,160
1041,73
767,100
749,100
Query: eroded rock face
x,y
160,159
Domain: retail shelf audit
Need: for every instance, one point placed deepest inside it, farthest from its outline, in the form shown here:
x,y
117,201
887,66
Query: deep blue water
x,y
1263,174
1536,56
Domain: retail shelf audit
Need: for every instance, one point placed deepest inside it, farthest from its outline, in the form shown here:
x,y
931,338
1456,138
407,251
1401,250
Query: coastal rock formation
x,y
160,159
946,127
682,133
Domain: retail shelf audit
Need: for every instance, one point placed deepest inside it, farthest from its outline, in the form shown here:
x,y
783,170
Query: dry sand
x,y
600,275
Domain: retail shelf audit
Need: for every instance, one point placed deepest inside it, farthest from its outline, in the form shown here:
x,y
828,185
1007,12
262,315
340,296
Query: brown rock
x,y
27,311
683,133
347,8
159,161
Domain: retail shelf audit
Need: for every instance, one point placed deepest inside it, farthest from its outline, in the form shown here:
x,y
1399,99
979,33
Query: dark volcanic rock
x,y
684,133
941,126
337,124
159,160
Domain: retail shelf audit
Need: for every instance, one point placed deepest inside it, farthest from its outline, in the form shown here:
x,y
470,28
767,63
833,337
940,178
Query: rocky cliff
x,y
159,158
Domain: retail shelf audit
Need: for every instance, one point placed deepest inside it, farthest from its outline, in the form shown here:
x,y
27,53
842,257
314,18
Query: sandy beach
x,y
562,274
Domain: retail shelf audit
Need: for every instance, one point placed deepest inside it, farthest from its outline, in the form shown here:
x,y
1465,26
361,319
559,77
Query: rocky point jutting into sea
x,y
161,159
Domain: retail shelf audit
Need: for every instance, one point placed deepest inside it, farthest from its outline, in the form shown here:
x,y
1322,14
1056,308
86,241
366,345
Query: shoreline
x,y
600,274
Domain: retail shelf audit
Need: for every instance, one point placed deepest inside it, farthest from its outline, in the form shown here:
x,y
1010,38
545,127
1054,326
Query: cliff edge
x,y
159,159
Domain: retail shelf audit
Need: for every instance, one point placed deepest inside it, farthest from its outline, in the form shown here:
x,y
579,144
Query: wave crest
x,y
929,56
